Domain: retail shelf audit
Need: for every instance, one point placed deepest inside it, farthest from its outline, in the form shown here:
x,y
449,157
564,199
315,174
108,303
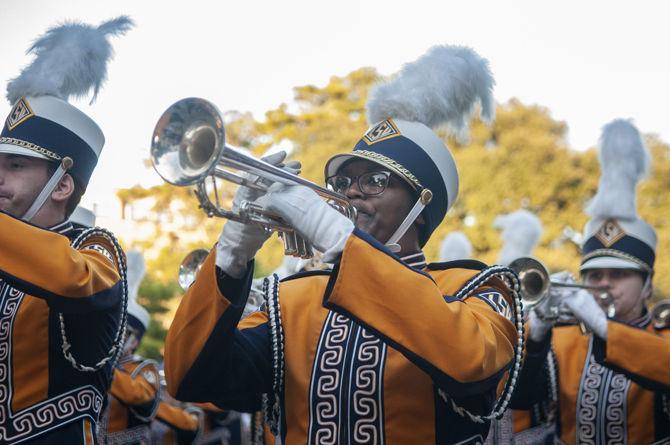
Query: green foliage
x,y
155,296
521,161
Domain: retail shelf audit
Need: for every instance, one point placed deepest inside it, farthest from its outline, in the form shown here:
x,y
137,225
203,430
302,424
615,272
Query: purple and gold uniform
x,y
182,425
42,396
361,357
133,403
616,390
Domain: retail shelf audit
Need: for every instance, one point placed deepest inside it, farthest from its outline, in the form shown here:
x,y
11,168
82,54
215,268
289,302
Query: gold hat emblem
x,y
386,129
20,112
610,232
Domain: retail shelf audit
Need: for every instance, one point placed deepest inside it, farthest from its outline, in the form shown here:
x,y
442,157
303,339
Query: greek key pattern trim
x,y
367,367
326,380
601,405
30,422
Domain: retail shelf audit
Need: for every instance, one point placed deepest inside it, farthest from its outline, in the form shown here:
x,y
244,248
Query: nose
x,y
354,190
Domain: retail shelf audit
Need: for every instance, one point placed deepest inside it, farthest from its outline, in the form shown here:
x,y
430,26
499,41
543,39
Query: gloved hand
x,y
316,221
543,316
586,309
238,243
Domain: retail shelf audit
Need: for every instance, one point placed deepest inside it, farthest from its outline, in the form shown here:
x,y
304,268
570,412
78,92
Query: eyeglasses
x,y
372,183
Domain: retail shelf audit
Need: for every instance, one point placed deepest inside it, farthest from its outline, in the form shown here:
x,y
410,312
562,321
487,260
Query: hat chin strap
x,y
413,214
48,188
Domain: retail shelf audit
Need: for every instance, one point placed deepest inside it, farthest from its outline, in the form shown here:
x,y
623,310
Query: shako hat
x,y
616,237
444,87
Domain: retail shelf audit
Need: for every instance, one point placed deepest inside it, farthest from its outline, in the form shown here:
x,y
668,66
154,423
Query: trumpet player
x,y
612,384
384,348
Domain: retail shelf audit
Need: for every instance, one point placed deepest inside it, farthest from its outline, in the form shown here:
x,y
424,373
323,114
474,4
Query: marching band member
x,y
520,232
613,384
62,292
182,424
455,246
135,390
82,218
384,348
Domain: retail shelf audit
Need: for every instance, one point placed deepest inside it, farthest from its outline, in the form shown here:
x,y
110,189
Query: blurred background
x,y
295,75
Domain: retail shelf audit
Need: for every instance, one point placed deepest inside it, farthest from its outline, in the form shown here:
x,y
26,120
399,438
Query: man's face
x,y
625,287
379,215
21,180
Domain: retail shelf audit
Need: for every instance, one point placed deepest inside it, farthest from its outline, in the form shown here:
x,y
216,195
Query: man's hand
x,y
316,221
586,309
543,316
238,243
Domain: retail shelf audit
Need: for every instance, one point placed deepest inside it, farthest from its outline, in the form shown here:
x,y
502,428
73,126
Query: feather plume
x,y
135,272
521,231
624,161
455,246
70,60
442,87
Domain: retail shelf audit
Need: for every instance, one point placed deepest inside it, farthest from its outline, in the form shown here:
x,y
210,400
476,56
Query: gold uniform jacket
x,y
181,427
43,398
373,352
134,399
614,391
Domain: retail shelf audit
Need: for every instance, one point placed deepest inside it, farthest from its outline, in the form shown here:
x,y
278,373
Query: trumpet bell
x,y
187,142
533,278
661,314
190,266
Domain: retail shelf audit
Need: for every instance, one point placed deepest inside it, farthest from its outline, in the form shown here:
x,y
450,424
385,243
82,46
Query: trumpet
x,y
660,314
190,267
188,146
535,285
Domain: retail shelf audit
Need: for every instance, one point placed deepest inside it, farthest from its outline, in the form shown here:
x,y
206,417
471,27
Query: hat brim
x,y
337,161
609,262
21,151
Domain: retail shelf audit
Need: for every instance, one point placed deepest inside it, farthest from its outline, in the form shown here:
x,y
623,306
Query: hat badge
x,y
610,232
20,112
386,129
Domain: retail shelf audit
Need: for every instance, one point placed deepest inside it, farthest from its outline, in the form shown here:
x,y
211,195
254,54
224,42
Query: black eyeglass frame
x,y
351,180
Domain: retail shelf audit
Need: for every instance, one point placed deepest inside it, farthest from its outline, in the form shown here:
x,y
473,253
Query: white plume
x,y
135,272
70,60
442,87
521,231
455,246
624,161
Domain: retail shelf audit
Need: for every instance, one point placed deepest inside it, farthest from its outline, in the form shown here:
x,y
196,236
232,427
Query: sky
x,y
588,62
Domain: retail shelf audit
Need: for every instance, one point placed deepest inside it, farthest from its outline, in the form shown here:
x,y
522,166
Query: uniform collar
x,y
416,260
64,228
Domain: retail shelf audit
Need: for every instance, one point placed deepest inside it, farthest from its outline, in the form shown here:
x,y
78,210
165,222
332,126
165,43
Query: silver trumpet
x,y
190,267
536,283
188,146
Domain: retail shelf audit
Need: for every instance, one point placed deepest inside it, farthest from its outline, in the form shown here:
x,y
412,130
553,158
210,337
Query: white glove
x,y
543,316
586,309
316,221
538,327
238,243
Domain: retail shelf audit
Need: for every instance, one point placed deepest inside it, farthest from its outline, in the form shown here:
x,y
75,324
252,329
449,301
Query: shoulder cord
x,y
119,338
271,297
512,281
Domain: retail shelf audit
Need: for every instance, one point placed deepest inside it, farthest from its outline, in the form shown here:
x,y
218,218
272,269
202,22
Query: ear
x,y
64,189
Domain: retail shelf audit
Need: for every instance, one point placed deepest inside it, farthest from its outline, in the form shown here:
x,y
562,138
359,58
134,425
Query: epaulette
x,y
457,264
305,273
